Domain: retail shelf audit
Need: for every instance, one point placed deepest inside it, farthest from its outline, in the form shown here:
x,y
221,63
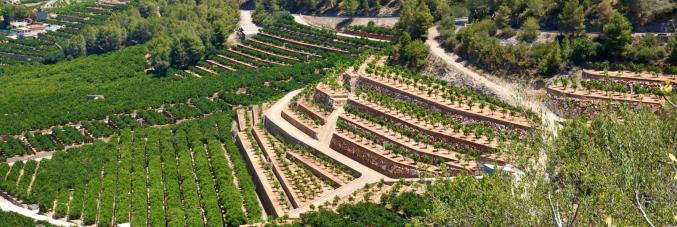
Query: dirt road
x,y
505,90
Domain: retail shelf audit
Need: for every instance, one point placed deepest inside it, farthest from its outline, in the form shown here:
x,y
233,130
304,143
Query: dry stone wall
x,y
372,160
457,116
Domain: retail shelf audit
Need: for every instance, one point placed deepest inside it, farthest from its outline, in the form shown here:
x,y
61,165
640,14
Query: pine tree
x,y
617,36
350,6
572,18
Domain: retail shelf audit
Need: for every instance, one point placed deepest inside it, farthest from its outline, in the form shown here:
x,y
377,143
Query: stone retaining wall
x,y
316,170
374,161
281,176
321,97
456,115
306,108
268,205
275,130
434,136
629,78
569,107
298,124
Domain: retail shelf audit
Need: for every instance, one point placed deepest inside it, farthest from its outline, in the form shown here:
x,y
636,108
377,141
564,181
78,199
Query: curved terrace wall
x,y
458,116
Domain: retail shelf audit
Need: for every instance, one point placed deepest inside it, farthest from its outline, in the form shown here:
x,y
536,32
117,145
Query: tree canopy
x,y
617,36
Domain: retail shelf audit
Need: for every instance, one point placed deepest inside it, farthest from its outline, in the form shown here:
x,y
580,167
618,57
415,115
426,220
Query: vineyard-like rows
x,y
405,124
60,137
284,43
294,175
258,87
172,176
47,46
571,96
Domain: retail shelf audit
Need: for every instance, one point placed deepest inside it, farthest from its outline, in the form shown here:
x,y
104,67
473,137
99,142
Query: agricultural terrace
x,y
283,43
189,174
59,96
586,94
406,125
47,47
288,176
365,125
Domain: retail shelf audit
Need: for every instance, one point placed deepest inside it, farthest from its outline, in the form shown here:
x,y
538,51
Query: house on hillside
x,y
31,30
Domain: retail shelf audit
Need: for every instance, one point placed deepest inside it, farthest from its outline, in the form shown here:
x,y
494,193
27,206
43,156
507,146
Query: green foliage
x,y
415,18
447,30
617,36
184,165
186,50
11,13
411,204
371,28
530,30
414,54
360,214
603,10
572,17
584,49
11,147
350,6
17,220
673,46
550,58
648,50
591,164
56,94
467,201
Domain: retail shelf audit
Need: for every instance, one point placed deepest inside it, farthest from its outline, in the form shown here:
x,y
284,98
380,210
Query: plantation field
x,y
44,96
176,176
43,100
48,47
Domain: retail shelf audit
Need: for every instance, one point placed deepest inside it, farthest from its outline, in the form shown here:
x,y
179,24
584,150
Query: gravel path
x,y
505,90
8,206
246,24
333,21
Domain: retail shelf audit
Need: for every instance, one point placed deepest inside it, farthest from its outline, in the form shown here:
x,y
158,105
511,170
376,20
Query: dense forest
x,y
506,36
595,12
191,27
507,39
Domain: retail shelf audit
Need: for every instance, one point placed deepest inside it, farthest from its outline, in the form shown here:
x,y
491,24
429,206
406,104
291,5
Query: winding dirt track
x,y
506,91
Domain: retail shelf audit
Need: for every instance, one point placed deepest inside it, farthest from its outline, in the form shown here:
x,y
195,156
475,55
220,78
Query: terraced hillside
x,y
370,124
587,94
284,43
49,46
404,124
170,158
259,68
287,176
190,174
